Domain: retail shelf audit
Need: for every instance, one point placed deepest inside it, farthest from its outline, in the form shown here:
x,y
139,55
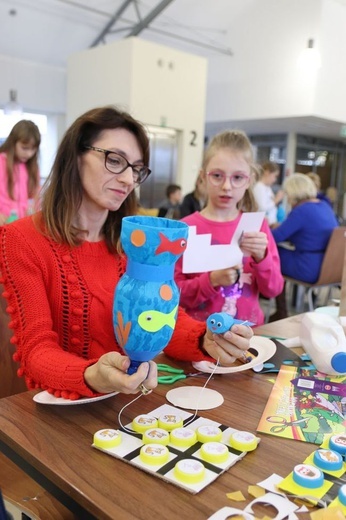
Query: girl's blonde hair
x,y
235,141
26,132
298,188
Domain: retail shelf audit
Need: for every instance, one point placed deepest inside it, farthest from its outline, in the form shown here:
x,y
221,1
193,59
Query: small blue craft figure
x,y
146,298
221,322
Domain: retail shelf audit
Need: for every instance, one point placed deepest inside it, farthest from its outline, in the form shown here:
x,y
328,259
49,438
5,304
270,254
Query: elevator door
x,y
163,165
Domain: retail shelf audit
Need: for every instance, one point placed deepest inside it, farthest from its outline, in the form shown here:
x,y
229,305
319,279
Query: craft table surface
x,y
53,445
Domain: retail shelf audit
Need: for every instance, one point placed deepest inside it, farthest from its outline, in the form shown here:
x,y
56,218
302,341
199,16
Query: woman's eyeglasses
x,y
237,180
116,163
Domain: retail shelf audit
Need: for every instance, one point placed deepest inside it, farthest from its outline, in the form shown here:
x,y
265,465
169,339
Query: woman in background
x,y
19,172
303,236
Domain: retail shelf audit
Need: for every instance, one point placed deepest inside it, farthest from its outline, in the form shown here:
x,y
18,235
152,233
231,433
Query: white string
x,y
197,406
201,392
121,411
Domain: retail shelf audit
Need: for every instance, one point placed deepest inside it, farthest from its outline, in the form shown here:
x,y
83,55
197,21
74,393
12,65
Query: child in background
x,y
19,172
229,171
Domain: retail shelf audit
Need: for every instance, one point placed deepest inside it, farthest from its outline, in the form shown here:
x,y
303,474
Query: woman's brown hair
x,y
26,132
63,191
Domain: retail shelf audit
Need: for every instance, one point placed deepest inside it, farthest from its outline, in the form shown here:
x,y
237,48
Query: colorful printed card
x,y
305,405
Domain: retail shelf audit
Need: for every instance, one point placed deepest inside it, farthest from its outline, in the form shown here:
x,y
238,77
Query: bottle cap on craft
x,y
308,476
209,433
338,443
141,423
214,452
154,454
328,460
183,437
156,435
107,438
170,421
189,471
342,494
243,441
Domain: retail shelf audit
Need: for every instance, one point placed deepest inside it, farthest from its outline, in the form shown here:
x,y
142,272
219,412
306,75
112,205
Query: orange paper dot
x,y
166,292
138,237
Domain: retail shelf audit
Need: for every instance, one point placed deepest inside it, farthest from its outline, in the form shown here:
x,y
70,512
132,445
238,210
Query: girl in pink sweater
x,y
229,172
19,173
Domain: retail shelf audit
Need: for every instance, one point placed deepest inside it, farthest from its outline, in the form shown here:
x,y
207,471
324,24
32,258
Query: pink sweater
x,y
200,298
20,202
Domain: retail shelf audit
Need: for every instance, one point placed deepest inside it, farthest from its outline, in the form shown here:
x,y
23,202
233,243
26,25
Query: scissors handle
x,y
167,380
168,368
277,429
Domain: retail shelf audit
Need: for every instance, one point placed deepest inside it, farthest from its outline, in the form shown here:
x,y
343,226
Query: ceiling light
x,y
310,59
12,107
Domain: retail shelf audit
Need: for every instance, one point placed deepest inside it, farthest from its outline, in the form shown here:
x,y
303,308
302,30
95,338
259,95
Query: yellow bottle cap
x,y
214,452
183,437
189,471
243,441
154,454
107,438
141,423
209,433
156,435
170,421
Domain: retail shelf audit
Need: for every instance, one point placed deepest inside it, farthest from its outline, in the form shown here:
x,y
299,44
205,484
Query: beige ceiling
x,y
48,31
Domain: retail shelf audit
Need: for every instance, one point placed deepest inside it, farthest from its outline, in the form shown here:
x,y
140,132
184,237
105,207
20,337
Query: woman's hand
x,y
109,375
3,219
254,244
229,346
226,277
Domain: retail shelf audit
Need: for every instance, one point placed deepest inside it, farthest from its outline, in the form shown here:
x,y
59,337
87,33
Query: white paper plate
x,y
47,398
192,397
265,347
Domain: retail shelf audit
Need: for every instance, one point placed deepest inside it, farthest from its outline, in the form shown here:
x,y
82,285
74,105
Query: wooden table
x,y
53,445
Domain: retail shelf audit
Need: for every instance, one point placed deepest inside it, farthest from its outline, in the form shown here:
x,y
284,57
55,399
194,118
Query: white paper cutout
x,y
194,397
225,512
281,504
201,256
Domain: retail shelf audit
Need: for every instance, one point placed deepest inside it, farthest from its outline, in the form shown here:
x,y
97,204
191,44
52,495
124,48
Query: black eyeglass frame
x,y
139,170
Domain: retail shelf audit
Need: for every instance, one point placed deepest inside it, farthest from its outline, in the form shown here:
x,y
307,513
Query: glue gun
x,y
323,338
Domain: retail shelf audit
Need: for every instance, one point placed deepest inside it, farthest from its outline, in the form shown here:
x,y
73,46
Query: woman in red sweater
x,y
60,268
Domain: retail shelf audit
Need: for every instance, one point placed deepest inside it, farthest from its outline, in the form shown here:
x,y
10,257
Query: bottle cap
x,y
338,443
170,421
107,438
214,452
308,476
183,437
209,433
141,423
342,494
189,471
243,441
328,460
156,435
338,362
154,454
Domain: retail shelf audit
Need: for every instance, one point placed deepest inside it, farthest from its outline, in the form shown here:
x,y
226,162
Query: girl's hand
x,y
3,219
109,375
229,346
226,277
254,244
